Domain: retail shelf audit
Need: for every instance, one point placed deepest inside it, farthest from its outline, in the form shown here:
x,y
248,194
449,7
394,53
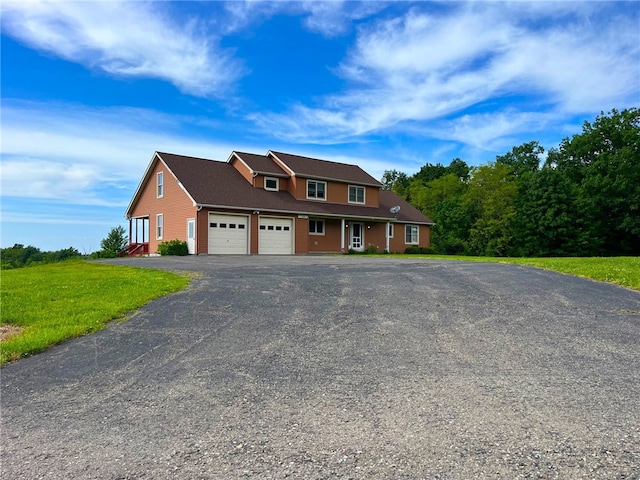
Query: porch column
x,y
342,227
130,221
386,236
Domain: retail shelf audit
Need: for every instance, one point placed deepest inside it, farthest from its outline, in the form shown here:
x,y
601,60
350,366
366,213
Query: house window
x,y
159,226
391,230
271,183
316,189
411,234
356,194
160,183
316,227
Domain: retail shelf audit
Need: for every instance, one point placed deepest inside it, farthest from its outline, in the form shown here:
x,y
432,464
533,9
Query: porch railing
x,y
135,249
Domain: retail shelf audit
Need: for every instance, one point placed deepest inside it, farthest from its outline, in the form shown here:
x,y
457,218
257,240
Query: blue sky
x,y
91,89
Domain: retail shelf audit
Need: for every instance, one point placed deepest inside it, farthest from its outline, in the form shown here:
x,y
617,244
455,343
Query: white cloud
x,y
125,39
334,18
88,156
427,66
495,131
330,18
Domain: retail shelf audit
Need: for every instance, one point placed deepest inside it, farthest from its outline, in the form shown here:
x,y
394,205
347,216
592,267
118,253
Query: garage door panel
x,y
275,236
228,234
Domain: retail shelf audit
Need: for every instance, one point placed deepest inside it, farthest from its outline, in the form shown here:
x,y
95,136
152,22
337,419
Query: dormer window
x,y
316,189
271,183
356,194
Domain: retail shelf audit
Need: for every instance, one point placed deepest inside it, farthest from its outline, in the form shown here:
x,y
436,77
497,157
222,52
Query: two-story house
x,y
276,203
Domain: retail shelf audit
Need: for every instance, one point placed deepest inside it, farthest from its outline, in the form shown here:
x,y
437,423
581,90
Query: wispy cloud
x,y
427,66
337,17
146,43
328,18
88,156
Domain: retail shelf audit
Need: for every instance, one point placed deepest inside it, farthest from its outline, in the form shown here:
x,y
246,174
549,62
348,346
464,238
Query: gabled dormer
x,y
260,171
323,181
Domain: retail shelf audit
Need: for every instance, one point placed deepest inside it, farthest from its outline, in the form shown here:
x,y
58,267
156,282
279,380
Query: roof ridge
x,y
187,156
249,153
317,159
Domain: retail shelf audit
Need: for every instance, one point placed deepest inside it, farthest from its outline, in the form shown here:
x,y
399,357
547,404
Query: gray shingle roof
x,y
218,184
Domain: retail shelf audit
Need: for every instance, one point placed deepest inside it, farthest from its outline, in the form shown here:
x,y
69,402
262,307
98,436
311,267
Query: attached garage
x,y
228,234
275,236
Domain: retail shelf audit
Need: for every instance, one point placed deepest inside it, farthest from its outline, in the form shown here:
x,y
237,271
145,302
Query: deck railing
x,y
135,249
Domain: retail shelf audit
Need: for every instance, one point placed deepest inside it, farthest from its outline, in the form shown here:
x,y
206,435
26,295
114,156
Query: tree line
x,y
20,256
580,199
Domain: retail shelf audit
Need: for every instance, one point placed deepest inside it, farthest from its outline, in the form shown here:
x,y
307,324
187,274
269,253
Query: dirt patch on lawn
x,y
7,331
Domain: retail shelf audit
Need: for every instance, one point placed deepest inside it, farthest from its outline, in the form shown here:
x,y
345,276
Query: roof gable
x,y
260,164
324,169
155,159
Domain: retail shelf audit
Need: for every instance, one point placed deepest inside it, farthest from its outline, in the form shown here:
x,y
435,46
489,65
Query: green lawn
x,y
623,271
58,301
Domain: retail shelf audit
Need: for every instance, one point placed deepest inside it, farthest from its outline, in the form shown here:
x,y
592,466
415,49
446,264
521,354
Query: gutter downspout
x,y
386,236
342,236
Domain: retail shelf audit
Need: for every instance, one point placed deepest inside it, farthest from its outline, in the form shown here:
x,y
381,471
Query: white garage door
x,y
275,236
228,234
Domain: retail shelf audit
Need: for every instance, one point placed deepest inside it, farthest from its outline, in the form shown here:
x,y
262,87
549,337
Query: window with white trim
x,y
160,184
411,234
356,194
316,227
390,230
159,226
316,189
271,183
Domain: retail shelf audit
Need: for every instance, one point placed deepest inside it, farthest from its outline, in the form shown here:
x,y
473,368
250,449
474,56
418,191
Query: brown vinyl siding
x,y
336,192
330,241
375,235
301,235
372,196
242,169
202,232
174,205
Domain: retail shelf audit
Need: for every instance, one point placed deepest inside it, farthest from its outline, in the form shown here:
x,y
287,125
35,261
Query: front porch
x,y
332,235
138,237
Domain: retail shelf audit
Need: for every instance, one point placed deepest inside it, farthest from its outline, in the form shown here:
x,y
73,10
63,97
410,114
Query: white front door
x,y
356,237
191,236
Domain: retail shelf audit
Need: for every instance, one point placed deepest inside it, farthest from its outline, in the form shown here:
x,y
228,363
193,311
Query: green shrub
x,y
426,250
371,249
173,247
115,242
412,250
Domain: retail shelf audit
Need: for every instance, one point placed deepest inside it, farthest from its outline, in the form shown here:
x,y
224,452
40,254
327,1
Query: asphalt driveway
x,y
336,368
